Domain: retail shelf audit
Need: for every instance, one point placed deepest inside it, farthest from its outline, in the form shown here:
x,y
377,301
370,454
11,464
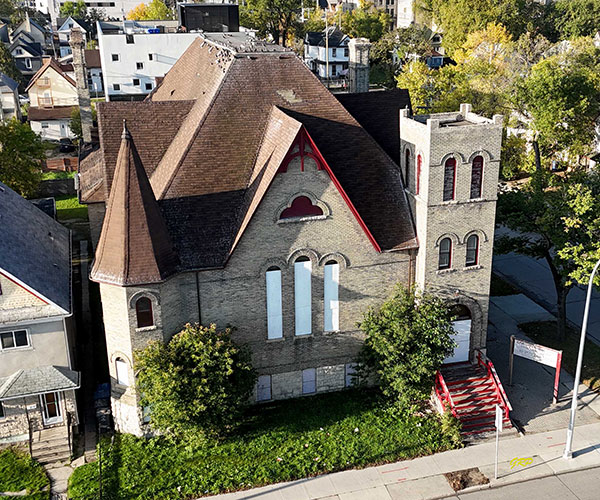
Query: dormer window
x,y
302,206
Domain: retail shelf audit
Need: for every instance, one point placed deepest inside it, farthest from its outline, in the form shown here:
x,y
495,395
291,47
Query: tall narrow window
x,y
302,295
418,179
263,388
143,311
445,260
476,177
449,179
122,373
332,304
274,311
472,250
2,413
309,381
407,166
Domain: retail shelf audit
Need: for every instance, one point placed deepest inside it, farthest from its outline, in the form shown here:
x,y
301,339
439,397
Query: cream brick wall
x,y
14,296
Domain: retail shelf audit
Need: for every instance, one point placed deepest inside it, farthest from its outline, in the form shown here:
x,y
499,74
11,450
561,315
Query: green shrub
x,y
451,427
407,340
18,471
199,380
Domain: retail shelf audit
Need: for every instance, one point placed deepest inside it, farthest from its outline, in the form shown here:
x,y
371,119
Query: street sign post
x,y
499,417
535,352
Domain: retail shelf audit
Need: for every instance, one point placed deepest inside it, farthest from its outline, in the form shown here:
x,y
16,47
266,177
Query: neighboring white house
x,y
9,98
315,52
64,33
52,97
134,53
405,13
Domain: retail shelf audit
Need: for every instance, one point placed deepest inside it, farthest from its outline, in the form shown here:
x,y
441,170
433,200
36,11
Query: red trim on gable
x,y
300,141
29,291
339,187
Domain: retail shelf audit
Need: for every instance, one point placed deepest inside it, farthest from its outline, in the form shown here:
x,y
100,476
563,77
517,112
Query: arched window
x,y
274,310
472,250
302,206
331,280
122,372
449,179
407,165
143,311
418,179
476,177
445,260
302,295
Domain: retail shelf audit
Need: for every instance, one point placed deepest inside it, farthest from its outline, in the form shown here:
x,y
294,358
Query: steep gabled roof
x,y
7,81
135,246
35,250
240,108
50,63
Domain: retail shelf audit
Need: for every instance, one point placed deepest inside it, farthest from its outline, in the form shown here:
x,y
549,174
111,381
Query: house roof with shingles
x,y
238,109
50,63
35,114
38,380
7,81
35,250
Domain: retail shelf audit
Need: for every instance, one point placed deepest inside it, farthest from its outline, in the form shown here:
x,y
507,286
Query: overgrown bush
x,y
407,340
198,381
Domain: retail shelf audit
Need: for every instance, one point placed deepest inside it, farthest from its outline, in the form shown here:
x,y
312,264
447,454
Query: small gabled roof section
x,y
50,63
64,24
7,81
135,246
35,250
38,380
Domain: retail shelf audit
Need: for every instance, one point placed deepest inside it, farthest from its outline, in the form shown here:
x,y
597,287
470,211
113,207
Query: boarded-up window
x,y
351,376
476,177
274,312
309,381
263,388
445,254
449,179
122,372
332,305
472,250
302,295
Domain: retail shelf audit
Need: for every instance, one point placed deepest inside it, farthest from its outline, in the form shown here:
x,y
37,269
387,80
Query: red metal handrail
x,y
483,360
447,397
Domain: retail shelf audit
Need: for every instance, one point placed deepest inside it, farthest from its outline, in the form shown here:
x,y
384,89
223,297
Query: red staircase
x,y
471,392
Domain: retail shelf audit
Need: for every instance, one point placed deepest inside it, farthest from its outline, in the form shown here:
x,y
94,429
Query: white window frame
x,y
28,63
264,388
26,330
122,371
331,284
274,304
303,297
309,381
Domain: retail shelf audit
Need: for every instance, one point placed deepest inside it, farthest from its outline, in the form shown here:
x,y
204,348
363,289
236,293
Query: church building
x,y
242,192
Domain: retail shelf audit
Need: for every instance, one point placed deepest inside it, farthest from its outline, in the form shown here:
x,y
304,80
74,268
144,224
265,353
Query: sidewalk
x,y
423,479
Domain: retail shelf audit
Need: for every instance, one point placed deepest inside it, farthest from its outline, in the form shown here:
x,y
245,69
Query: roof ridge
x,y
10,381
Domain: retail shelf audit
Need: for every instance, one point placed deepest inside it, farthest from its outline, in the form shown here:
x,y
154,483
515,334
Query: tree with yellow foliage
x,y
154,11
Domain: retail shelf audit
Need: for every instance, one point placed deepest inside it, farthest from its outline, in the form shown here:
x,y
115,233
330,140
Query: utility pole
x,y
569,444
326,50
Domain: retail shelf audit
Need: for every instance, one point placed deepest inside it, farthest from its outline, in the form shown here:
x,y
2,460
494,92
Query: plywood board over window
x,y
331,281
302,295
274,309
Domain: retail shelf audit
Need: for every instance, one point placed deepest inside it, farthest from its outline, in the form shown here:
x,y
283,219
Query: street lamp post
x,y
569,444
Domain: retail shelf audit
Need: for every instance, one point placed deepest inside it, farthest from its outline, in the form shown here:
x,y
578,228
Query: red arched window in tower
x,y
143,311
418,177
407,165
449,179
301,207
476,177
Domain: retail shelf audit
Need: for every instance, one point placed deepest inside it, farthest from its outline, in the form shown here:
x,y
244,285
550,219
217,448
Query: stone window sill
x,y
146,329
305,336
278,339
472,268
291,220
445,271
13,349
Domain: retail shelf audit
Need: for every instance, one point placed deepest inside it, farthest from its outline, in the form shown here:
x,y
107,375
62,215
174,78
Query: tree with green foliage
x,y
560,100
155,10
514,156
76,9
198,381
407,340
7,9
75,121
575,18
366,21
556,219
21,154
275,18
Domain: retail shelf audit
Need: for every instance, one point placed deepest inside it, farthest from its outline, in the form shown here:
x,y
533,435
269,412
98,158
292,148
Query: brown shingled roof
x,y
134,246
214,133
40,114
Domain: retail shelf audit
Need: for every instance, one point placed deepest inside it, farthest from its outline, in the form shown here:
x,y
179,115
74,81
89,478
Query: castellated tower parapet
x,y
450,164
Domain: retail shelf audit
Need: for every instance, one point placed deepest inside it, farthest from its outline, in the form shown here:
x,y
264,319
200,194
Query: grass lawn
x,y
545,333
279,442
19,472
46,176
500,287
68,207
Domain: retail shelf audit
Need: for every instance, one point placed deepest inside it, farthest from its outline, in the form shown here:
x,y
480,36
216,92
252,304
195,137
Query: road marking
x,y
557,444
393,470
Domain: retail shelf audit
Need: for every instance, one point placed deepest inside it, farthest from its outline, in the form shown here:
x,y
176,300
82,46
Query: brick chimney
x,y
359,65
77,44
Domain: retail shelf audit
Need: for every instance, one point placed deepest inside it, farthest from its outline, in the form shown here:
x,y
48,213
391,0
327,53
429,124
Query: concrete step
x,y
51,455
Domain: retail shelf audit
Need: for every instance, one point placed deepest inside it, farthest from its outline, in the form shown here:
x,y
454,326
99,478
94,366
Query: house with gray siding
x,y
37,379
